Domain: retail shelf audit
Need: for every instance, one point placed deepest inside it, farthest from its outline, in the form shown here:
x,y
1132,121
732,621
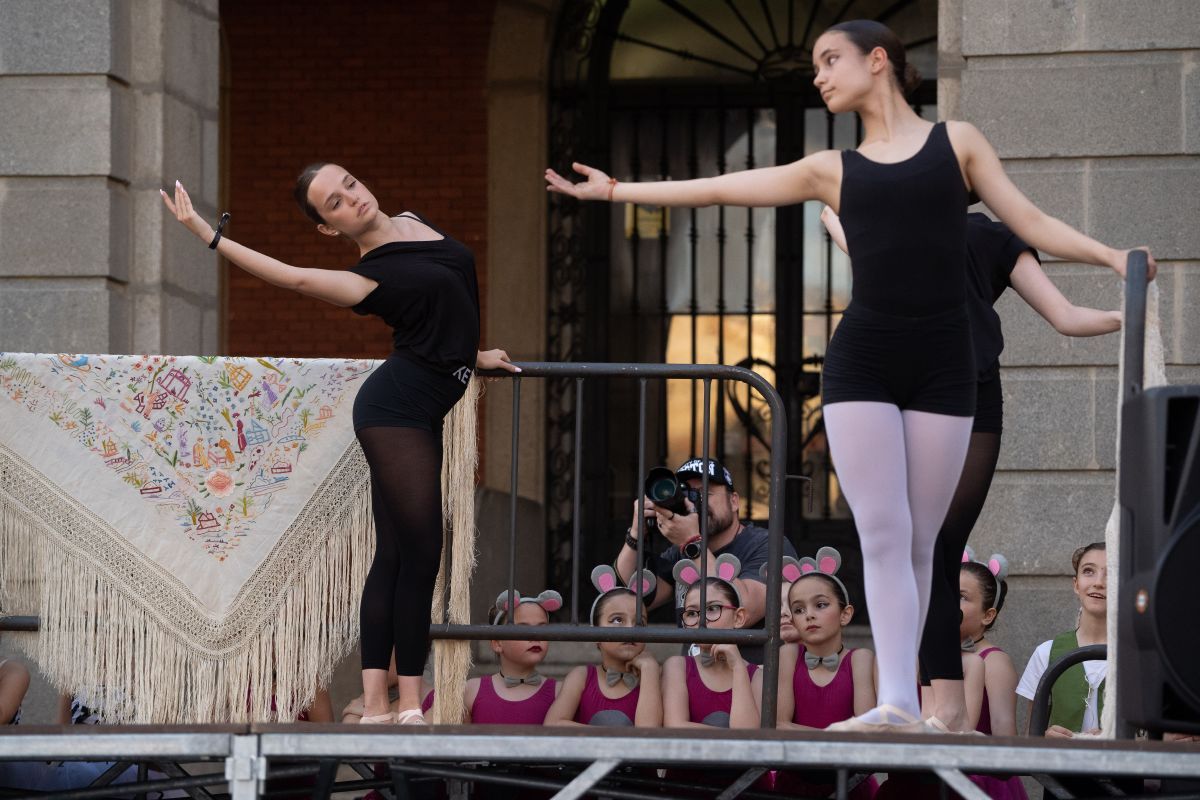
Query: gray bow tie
x,y
532,680
706,658
829,662
612,677
968,645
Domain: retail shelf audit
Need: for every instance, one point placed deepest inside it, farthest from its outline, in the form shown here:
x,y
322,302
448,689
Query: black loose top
x,y
429,295
906,230
992,252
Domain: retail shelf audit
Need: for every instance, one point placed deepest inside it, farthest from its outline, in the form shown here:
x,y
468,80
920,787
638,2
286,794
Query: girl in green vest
x,y
1077,699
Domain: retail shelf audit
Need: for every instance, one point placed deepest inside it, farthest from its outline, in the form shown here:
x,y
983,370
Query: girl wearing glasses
x,y
712,687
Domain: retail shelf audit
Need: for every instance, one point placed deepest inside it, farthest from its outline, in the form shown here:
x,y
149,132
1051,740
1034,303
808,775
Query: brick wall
x,y
394,91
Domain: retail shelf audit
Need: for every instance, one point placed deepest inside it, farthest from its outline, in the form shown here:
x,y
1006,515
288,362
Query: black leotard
x,y
905,338
429,295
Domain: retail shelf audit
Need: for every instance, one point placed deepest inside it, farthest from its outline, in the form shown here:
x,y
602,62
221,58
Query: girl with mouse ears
x,y
898,386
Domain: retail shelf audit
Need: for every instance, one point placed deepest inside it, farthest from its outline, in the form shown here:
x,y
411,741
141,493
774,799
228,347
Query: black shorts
x,y
914,363
989,404
405,393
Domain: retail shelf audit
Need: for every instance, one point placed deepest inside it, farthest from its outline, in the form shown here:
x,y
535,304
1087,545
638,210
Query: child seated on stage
x,y
623,689
712,687
820,681
517,694
1077,699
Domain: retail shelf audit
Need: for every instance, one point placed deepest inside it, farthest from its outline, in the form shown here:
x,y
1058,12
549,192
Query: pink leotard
x,y
490,708
597,709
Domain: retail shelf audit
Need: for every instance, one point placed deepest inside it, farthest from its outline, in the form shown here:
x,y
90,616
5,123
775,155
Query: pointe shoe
x,y
411,716
378,719
893,720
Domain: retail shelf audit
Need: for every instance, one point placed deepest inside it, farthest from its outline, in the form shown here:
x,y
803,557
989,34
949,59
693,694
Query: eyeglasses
x,y
712,612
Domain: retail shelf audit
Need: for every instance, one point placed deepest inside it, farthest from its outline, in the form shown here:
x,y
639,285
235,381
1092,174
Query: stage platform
x,y
566,763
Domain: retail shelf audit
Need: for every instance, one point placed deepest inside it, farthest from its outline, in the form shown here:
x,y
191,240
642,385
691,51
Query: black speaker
x,y
1158,650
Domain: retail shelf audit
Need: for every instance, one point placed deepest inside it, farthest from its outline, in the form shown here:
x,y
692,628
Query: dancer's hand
x,y
643,664
596,187
183,211
1059,732
727,655
495,359
1121,256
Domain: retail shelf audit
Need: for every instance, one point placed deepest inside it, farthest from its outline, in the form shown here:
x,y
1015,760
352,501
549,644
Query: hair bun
x,y
912,79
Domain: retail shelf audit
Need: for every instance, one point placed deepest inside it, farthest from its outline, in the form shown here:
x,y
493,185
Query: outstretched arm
x,y
815,177
1044,297
339,287
986,176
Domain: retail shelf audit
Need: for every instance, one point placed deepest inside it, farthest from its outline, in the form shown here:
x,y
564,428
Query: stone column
x,y
1094,106
105,101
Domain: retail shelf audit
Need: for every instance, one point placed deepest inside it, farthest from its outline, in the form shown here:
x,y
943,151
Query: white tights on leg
x,y
898,471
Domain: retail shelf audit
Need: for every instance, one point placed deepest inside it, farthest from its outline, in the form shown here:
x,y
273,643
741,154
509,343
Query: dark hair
x,y
724,589
843,601
988,586
301,191
1078,555
867,34
598,612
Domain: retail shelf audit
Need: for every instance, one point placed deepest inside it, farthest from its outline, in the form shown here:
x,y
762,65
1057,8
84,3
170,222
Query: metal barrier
x,y
581,632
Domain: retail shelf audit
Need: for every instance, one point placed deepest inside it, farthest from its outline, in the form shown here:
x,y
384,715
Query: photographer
x,y
726,534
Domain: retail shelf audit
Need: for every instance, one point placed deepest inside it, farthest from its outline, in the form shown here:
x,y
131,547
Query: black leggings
x,y
941,654
406,498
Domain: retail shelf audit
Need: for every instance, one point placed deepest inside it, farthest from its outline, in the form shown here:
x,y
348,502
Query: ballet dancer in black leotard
x,y
996,260
899,384
422,283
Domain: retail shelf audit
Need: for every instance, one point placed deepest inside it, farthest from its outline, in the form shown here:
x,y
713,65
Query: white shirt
x,y
1094,672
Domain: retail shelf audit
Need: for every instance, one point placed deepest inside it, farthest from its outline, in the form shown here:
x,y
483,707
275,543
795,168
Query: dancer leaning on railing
x,y
899,376
422,283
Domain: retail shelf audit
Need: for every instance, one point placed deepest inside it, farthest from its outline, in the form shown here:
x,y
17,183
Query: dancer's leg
x,y
867,442
406,467
936,449
940,654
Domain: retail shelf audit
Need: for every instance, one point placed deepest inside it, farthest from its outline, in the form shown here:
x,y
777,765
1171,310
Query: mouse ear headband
x,y
789,570
826,563
606,581
549,600
996,564
727,568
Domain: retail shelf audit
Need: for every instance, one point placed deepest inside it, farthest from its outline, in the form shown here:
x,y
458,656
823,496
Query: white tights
x,y
898,471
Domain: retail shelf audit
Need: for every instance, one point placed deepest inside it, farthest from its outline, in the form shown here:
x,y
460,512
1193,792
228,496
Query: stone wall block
x,y
146,42
1020,26
1154,25
187,264
146,325
1056,186
69,315
1179,312
1147,201
42,37
146,164
1113,104
188,31
57,126
1191,102
1058,418
182,148
1037,519
184,323
54,227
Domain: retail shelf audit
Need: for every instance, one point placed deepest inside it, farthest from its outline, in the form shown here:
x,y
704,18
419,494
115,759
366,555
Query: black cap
x,y
694,468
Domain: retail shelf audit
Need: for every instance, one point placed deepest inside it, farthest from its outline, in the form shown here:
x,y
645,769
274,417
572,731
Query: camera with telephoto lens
x,y
667,492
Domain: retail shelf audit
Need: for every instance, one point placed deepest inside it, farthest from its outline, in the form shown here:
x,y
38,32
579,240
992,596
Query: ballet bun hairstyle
x,y
300,193
867,34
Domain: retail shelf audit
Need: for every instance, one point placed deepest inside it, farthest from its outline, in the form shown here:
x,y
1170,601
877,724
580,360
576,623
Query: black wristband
x,y
220,227
630,540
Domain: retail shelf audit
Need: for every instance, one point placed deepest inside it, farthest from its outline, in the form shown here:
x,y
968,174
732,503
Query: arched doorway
x,y
656,89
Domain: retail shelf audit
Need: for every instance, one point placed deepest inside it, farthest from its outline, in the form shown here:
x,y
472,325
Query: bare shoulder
x,y
862,658
964,136
577,675
674,664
